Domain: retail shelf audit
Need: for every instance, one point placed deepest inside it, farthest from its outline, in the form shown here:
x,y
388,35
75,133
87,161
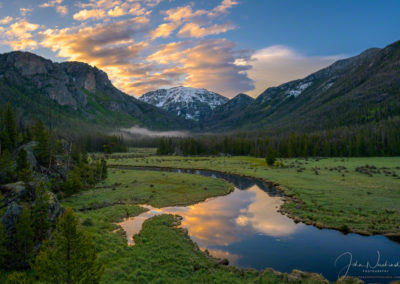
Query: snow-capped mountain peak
x,y
190,103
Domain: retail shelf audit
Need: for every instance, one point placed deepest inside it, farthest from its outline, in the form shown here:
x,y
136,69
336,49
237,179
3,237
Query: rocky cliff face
x,y
78,86
50,78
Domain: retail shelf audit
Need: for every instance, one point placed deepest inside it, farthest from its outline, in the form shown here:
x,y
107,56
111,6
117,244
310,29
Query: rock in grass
x,y
223,261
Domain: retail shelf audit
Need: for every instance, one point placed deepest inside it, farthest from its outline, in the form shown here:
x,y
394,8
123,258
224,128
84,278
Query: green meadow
x,y
158,189
351,194
355,194
163,252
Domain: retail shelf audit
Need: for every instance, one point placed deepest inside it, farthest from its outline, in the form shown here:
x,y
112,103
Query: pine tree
x,y
42,149
6,168
40,212
10,128
70,257
161,150
24,239
18,277
73,183
270,156
3,243
103,169
23,169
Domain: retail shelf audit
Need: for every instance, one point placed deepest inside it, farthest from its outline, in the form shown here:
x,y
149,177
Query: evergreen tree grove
x,y
3,243
23,169
40,213
70,257
24,237
41,136
270,159
10,129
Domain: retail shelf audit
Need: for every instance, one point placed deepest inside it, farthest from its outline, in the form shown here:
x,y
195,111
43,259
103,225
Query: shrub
x,y
270,159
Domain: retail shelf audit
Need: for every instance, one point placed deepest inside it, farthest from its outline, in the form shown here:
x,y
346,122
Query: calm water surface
x,y
245,227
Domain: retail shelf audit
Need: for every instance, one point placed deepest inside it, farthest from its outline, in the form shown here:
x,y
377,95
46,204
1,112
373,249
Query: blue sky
x,y
228,46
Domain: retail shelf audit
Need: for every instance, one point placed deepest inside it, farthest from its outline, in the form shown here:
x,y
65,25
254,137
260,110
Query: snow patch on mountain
x,y
298,89
190,103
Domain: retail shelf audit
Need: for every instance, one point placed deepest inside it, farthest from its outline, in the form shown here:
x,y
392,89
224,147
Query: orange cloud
x,y
195,30
63,10
83,15
104,8
223,7
195,22
187,13
51,3
126,49
109,46
181,13
164,30
116,12
208,63
104,4
6,20
19,35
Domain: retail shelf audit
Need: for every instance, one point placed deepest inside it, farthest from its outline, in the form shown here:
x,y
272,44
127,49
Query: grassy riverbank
x,y
159,189
163,253
351,194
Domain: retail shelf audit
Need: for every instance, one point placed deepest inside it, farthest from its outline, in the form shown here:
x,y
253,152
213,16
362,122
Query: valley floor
x,y
339,193
163,253
350,194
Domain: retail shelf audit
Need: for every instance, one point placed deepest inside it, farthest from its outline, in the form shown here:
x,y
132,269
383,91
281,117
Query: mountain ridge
x,y
361,89
356,90
75,92
189,103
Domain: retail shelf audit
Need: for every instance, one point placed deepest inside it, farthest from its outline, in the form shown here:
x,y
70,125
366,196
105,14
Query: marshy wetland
x,y
236,217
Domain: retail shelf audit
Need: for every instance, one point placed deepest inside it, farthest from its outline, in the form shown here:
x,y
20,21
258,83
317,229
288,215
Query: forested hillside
x,y
73,96
355,91
38,167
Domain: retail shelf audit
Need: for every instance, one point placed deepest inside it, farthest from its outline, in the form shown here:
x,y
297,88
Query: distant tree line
x,y
100,143
374,139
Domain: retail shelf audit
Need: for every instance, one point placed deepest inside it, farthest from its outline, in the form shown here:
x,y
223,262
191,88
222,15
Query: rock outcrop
x,y
32,84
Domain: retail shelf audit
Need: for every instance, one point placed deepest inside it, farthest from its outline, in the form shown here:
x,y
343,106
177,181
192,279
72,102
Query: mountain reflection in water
x,y
223,220
246,228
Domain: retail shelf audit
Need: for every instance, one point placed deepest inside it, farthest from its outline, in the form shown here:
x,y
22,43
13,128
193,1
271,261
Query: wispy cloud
x,y
149,133
25,11
191,30
61,9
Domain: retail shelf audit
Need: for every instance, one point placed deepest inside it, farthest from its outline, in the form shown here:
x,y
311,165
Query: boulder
x,y
11,216
54,207
300,276
18,190
223,261
29,148
349,280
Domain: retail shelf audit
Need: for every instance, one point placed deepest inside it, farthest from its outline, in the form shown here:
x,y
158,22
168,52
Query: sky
x,y
226,46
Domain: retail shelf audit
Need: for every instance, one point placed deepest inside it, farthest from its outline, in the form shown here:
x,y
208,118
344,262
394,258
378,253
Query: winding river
x,y
246,228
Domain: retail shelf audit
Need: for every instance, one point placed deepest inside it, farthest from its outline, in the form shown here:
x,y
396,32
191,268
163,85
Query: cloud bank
x,y
279,64
142,48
